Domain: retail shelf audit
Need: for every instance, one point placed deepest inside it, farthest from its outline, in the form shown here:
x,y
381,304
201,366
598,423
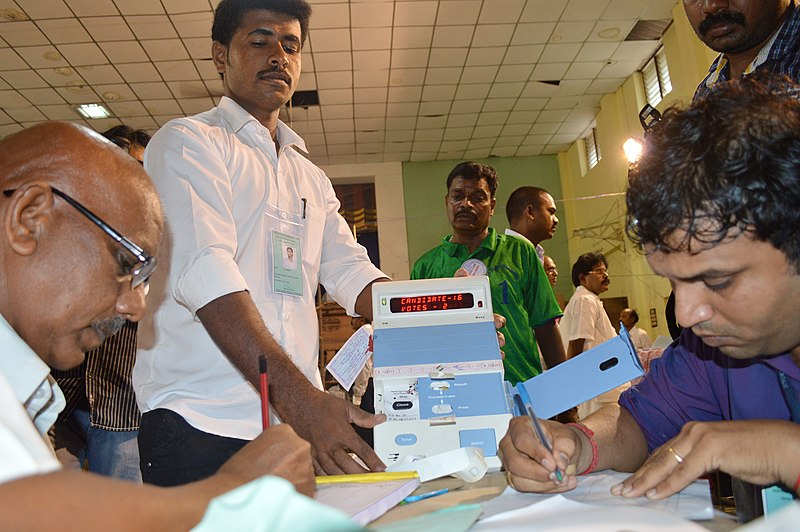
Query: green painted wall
x,y
424,187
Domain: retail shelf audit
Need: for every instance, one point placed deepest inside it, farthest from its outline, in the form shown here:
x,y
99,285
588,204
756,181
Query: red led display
x,y
431,302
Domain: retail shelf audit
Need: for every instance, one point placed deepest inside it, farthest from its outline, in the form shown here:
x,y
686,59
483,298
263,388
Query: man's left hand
x,y
757,451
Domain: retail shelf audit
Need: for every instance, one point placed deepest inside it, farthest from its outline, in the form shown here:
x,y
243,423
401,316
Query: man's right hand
x,y
277,451
531,467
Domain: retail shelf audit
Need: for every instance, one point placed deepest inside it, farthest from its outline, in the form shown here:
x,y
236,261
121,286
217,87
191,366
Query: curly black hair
x,y
585,264
474,172
229,13
730,161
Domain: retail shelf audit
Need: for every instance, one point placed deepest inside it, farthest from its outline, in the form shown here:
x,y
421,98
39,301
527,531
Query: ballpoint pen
x,y
523,402
423,496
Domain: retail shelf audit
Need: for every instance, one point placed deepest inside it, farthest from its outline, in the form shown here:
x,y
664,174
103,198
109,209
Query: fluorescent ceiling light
x,y
93,111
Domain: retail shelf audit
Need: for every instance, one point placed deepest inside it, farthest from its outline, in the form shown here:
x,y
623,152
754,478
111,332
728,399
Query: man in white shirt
x,y
531,214
629,318
585,323
68,280
236,194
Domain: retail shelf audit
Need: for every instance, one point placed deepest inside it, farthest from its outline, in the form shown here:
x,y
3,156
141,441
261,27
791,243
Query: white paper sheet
x,y
350,359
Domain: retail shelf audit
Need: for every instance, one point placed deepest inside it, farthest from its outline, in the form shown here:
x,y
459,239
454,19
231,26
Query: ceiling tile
x,y
108,29
58,112
371,60
140,7
562,102
533,33
445,57
573,87
410,58
465,107
397,109
138,72
523,55
10,129
584,9
597,51
407,76
151,91
38,10
200,48
453,36
23,33
112,93
176,70
82,54
64,30
41,56
23,79
506,90
437,110
554,115
60,76
404,94
97,74
333,61
584,70
508,73
368,14
493,118
485,56
335,96
620,9
458,12
527,104
127,109
335,80
332,16
618,28
370,78
341,125
42,96
369,95
549,71
11,99
152,27
162,106
493,35
605,86
500,11
461,120
536,89
76,94
331,40
412,37
165,49
443,75
26,114
499,104
636,51
188,89
618,69
92,8
479,74
542,10
371,38
411,13
125,52
469,91
193,24
572,31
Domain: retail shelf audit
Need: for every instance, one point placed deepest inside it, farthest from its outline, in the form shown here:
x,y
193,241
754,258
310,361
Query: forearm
x,y
364,299
236,326
621,444
76,500
575,347
550,345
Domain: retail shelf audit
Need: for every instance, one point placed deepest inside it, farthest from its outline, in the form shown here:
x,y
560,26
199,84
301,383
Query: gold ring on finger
x,y
678,457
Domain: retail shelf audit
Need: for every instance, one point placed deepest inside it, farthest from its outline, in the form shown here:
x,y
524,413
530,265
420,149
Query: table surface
x,y
488,487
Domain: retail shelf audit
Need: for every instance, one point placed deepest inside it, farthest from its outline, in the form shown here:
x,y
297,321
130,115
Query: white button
x,y
286,318
283,215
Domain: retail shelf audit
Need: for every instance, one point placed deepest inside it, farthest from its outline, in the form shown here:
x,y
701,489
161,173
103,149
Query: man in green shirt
x,y
520,289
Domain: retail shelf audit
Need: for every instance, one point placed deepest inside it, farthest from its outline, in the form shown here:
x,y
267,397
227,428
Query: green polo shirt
x,y
520,292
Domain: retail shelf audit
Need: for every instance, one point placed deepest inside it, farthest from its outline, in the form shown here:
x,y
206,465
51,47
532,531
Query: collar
x,y
20,366
238,118
488,243
511,232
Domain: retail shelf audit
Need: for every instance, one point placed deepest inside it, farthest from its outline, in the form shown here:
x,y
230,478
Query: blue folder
x,y
593,372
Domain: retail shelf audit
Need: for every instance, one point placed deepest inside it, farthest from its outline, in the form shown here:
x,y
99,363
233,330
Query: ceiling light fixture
x,y
93,111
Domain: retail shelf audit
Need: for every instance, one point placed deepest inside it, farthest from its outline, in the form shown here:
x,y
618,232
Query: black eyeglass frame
x,y
142,270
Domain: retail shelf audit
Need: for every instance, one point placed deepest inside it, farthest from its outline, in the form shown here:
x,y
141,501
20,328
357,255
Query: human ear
x,y
219,55
28,212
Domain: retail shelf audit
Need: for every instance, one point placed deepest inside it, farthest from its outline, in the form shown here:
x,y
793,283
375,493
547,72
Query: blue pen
x,y
523,401
423,496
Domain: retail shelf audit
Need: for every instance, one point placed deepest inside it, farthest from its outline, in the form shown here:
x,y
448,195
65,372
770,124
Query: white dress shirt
x,y
539,248
30,401
225,190
586,318
640,338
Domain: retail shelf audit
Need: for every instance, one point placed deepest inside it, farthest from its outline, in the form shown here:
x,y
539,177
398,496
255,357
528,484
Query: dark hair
x,y
634,316
474,172
519,200
133,136
229,13
585,264
730,161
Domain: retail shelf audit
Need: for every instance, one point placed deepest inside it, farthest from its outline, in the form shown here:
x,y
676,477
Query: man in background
x,y
520,289
550,270
749,35
585,323
99,425
531,214
629,318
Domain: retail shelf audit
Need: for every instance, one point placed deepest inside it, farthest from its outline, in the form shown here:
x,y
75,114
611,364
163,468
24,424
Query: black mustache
x,y
275,73
720,17
108,327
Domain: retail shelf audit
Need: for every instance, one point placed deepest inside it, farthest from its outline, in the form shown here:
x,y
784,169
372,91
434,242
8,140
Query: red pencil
x,y
262,370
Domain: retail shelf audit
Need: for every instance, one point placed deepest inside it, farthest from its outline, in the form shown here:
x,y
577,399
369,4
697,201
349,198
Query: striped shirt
x,y
780,55
104,379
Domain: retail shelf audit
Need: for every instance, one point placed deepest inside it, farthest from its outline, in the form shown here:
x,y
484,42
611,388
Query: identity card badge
x,y
287,260
474,267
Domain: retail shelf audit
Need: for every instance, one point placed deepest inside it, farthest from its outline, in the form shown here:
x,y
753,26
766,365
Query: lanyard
x,y
790,394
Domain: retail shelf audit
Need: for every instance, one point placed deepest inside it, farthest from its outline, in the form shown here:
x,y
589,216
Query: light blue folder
x,y
593,372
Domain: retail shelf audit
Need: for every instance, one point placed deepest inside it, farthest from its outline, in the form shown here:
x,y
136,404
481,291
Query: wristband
x,y
595,456
797,484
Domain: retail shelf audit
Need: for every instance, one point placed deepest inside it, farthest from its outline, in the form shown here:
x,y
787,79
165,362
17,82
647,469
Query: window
x,y
655,76
592,149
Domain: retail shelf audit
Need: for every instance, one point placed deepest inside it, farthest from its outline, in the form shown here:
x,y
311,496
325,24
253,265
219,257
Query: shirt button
x,y
286,318
283,215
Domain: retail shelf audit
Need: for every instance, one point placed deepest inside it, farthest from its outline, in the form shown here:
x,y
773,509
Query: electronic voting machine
x,y
438,371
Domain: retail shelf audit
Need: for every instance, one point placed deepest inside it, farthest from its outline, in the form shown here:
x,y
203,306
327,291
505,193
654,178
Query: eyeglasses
x,y
599,271
475,198
141,271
